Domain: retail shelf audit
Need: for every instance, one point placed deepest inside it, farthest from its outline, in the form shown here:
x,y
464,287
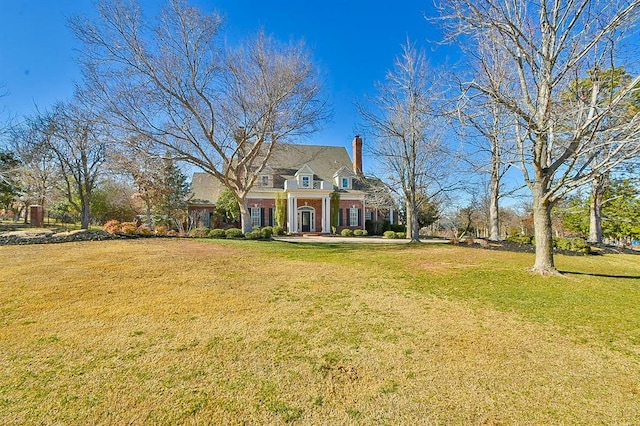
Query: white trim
x,y
256,215
312,218
353,210
326,213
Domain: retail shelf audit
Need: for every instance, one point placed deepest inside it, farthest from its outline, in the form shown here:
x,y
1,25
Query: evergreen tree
x,y
9,186
172,194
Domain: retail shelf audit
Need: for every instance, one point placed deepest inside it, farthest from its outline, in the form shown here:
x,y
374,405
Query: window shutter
x,y
271,222
359,217
261,217
340,217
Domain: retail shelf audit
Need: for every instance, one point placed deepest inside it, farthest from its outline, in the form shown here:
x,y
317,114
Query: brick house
x,y
306,175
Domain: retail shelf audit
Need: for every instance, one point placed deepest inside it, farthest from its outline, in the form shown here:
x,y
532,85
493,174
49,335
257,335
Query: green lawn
x,y
164,331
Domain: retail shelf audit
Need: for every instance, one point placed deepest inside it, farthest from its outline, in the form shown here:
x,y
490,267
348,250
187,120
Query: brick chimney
x,y
357,155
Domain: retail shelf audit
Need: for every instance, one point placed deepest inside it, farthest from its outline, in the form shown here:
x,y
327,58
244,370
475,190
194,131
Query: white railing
x,y
317,184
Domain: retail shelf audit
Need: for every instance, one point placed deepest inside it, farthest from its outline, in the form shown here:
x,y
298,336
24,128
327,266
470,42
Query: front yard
x,y
236,332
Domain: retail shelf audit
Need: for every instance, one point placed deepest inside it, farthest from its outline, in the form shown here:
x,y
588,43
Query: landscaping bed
x,y
596,249
23,237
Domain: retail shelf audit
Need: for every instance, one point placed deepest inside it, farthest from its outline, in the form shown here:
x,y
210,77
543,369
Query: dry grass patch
x,y
190,332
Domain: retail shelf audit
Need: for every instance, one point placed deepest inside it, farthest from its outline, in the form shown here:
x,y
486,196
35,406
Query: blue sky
x,y
353,42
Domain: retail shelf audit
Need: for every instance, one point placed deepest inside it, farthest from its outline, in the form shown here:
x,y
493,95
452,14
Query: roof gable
x,y
323,160
344,171
305,170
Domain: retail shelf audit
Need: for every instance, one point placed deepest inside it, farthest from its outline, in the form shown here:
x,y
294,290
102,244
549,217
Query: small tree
x,y
172,194
10,188
281,209
227,207
334,201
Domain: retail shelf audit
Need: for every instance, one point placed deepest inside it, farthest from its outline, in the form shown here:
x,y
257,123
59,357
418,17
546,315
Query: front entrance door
x,y
306,221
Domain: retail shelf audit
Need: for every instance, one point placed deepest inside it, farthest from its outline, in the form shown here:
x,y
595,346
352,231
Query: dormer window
x,y
264,180
305,177
344,183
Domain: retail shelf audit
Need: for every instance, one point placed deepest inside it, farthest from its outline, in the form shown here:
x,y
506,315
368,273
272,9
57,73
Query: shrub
x,y
233,233
217,233
390,235
347,233
267,232
470,240
401,235
424,231
562,243
144,230
200,232
520,239
173,233
580,245
572,244
161,231
128,228
360,233
256,234
278,230
112,227
398,228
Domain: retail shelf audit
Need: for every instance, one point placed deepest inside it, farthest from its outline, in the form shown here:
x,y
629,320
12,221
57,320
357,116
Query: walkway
x,y
328,239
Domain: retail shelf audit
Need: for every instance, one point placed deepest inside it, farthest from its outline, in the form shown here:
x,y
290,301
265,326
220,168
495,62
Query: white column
x,y
294,213
391,216
326,220
289,215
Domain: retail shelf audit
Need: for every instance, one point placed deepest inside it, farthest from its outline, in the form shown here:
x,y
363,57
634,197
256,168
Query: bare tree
x,y
143,169
487,130
408,131
222,110
546,46
38,172
76,140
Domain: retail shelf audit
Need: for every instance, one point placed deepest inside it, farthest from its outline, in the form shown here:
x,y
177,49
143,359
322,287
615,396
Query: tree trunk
x,y
544,263
595,210
413,226
149,220
245,217
494,213
85,214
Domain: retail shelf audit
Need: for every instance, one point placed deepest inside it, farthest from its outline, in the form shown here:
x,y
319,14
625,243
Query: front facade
x,y
305,176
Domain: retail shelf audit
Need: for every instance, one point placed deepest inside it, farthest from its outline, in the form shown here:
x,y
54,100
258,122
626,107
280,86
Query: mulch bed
x,y
596,249
27,237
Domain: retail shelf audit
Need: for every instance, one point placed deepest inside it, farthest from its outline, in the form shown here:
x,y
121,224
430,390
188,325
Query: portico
x,y
309,212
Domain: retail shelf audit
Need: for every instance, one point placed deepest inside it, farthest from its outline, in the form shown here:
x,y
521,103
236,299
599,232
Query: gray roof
x,y
205,188
285,161
323,160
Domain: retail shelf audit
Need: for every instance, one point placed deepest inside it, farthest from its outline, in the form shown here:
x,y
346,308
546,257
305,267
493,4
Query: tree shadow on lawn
x,y
628,277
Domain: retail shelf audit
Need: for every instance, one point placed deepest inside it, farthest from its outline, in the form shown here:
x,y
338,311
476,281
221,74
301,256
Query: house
x,y
305,176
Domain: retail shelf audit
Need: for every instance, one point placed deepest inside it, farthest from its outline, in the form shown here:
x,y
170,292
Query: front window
x,y
255,217
345,182
306,181
353,217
